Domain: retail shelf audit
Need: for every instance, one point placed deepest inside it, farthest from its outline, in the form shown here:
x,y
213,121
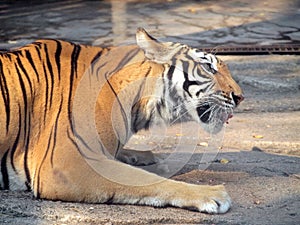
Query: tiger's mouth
x,y
206,113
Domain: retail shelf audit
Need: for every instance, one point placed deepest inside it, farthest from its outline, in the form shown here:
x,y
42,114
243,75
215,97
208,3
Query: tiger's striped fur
x,y
40,144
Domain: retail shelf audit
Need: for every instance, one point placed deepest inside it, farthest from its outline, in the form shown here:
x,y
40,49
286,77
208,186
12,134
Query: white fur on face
x,y
204,58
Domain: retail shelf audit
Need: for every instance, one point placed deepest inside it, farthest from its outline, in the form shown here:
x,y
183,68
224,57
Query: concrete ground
x,y
258,160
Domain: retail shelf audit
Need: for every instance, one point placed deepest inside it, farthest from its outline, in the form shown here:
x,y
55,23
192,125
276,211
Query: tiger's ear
x,y
154,50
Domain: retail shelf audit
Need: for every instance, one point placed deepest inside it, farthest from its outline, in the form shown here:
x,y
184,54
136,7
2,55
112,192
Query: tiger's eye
x,y
208,68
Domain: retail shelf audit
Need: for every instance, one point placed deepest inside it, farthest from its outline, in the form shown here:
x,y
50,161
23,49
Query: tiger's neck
x,y
163,105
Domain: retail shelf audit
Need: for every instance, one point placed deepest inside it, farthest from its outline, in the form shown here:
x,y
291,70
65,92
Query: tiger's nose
x,y
237,99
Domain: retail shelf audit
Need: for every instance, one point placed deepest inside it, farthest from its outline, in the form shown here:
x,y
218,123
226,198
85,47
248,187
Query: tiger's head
x,y
199,84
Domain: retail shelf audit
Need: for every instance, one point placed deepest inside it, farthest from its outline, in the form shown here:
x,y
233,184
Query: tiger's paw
x,y
210,199
217,201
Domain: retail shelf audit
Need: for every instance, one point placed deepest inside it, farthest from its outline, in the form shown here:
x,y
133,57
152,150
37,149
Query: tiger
x,y
45,113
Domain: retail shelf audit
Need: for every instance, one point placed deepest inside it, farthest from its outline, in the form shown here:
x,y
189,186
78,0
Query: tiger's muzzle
x,y
207,111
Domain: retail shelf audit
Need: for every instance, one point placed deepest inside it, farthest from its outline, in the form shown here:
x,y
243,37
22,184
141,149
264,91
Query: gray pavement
x,y
265,186
197,23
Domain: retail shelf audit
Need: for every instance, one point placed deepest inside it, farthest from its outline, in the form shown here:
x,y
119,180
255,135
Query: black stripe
x,y
124,61
5,94
110,200
185,66
172,92
38,43
97,56
16,53
30,60
138,123
22,85
14,147
76,145
24,93
40,166
187,83
147,124
170,72
57,57
189,58
117,148
27,118
4,171
162,104
8,56
47,92
38,50
98,69
27,130
27,171
123,113
55,130
26,168
20,65
74,58
83,141
23,88
50,69
94,64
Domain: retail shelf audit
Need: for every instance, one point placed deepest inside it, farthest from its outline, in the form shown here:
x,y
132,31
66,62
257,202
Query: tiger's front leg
x,y
115,182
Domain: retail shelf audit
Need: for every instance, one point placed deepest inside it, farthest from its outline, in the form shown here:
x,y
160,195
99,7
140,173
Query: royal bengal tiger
x,y
48,91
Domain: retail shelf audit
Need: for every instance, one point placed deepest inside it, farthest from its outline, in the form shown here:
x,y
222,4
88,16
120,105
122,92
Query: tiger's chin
x,y
213,118
213,127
